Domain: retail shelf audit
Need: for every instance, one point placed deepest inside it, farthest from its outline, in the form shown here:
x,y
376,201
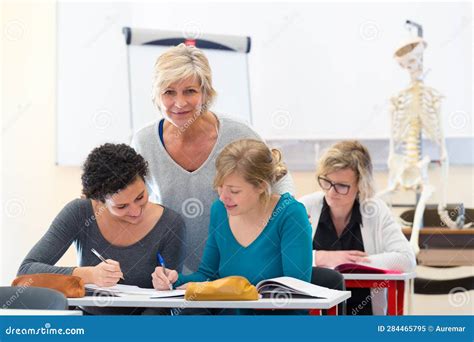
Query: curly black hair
x,y
110,168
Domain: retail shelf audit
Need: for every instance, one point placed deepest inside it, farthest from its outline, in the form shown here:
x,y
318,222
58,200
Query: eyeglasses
x,y
326,184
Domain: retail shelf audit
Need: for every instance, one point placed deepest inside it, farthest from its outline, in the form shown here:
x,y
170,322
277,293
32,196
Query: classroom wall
x,y
34,189
306,59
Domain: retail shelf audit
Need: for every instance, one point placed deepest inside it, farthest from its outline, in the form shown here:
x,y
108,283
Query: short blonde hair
x,y
349,154
179,63
254,161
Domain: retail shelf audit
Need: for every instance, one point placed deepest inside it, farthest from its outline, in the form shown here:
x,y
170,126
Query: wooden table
x,y
441,246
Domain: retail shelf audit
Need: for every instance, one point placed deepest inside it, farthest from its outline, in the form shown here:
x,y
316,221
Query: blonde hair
x,y
179,63
349,154
254,161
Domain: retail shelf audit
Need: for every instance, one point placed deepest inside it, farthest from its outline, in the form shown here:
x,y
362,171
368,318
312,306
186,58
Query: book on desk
x,y
294,288
363,269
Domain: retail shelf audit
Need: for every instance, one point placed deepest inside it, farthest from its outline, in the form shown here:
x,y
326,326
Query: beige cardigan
x,y
382,236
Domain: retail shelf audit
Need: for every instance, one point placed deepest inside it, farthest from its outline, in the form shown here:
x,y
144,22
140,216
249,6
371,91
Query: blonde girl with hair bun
x,y
252,233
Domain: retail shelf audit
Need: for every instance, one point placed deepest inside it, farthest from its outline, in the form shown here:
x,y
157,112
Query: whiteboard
x,y
104,84
317,70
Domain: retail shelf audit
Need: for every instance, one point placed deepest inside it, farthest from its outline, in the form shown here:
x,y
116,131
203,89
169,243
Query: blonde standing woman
x,y
181,148
252,232
350,226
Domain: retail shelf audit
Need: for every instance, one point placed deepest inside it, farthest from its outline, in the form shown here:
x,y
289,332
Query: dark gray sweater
x,y
76,224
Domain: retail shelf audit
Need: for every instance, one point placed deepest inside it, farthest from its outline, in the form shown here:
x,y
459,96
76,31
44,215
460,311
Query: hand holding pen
x,y
163,278
107,273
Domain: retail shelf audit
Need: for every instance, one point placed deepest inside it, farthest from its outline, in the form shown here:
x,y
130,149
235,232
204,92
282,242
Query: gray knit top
x,y
191,193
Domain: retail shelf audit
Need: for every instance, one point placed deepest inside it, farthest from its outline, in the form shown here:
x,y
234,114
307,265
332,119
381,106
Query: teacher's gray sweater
x,y
191,193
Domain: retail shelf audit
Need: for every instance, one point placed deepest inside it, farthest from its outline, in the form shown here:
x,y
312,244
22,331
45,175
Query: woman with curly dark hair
x,y
116,219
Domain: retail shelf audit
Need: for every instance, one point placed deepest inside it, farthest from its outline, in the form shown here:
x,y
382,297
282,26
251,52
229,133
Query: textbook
x,y
120,290
359,268
294,288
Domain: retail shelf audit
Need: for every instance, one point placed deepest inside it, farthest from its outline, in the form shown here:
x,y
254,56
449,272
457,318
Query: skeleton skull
x,y
410,56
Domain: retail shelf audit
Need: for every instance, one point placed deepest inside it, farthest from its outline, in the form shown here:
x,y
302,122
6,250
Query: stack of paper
x,y
126,290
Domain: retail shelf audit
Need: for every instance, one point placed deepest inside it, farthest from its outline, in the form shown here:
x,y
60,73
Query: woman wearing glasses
x,y
350,226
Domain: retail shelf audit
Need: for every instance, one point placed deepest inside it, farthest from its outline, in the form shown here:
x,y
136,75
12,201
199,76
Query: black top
x,y
351,239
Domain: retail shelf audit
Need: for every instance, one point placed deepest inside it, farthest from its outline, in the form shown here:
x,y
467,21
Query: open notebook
x,y
127,290
295,288
359,268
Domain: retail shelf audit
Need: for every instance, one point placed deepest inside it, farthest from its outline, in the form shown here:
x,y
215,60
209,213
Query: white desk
x,y
30,312
395,284
365,276
266,303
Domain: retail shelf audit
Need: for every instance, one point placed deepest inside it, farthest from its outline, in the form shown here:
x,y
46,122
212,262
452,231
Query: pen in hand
x,y
161,261
101,258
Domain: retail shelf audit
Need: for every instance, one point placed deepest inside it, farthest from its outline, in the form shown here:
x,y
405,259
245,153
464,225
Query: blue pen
x,y
161,261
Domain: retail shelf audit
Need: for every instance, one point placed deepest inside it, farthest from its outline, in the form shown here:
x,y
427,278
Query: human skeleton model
x,y
416,110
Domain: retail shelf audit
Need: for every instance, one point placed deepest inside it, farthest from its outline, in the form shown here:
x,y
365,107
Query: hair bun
x,y
279,168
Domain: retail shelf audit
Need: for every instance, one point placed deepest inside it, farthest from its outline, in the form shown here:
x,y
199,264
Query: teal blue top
x,y
283,248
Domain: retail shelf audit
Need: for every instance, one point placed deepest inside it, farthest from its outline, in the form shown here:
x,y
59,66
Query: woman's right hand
x,y
161,281
334,258
106,274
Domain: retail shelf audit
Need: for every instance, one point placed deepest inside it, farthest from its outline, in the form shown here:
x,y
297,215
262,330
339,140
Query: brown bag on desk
x,y
229,288
70,286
